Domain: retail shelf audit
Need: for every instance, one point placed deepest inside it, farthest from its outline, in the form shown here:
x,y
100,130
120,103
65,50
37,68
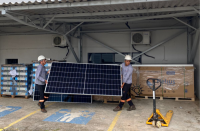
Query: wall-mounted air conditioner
x,y
140,37
59,41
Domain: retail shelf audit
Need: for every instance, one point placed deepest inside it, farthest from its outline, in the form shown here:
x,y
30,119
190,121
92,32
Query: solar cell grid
x,y
72,78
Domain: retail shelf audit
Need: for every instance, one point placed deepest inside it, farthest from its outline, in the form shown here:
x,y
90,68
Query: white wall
x,y
175,50
27,48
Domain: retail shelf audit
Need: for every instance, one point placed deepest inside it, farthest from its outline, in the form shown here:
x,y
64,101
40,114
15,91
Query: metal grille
x,y
137,38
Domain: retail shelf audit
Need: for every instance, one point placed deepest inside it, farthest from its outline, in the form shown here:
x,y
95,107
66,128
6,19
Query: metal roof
x,y
99,10
77,6
135,7
108,8
35,2
32,2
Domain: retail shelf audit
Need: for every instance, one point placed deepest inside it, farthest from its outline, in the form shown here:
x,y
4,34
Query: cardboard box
x,y
176,81
189,83
145,74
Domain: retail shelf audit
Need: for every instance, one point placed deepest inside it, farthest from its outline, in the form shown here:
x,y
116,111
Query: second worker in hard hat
x,y
40,82
127,71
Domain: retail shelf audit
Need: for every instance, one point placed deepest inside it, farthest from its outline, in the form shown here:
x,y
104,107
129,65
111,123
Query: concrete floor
x,y
186,116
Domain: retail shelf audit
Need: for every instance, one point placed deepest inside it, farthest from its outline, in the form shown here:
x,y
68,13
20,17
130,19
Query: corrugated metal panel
x,y
139,4
82,10
34,2
29,2
108,8
121,16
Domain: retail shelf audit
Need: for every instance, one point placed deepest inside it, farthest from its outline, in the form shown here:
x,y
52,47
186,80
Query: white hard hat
x,y
128,57
41,57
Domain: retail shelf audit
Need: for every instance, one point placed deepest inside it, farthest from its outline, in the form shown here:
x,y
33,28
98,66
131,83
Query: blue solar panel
x,y
87,79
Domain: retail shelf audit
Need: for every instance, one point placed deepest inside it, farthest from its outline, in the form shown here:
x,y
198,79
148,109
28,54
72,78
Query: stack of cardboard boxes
x,y
176,81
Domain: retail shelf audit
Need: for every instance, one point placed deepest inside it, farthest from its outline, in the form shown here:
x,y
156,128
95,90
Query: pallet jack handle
x,y
154,81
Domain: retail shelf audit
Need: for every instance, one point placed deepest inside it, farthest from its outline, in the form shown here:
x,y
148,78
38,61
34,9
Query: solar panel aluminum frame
x,y
85,78
61,99
57,101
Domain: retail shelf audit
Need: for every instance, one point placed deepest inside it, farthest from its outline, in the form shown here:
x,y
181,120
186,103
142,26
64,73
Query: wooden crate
x,y
112,99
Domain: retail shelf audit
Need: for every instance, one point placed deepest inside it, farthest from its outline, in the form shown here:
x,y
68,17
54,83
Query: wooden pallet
x,y
180,99
111,102
147,97
13,96
161,98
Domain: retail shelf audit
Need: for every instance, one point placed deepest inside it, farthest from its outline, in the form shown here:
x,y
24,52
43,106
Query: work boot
x,y
40,104
131,108
43,110
117,109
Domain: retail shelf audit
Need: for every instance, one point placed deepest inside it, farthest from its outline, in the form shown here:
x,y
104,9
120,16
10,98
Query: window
x,y
110,58
11,61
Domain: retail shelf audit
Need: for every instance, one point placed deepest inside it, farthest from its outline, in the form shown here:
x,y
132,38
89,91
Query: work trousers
x,y
43,96
125,96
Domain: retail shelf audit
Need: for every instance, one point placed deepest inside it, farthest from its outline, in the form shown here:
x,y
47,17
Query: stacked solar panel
x,y
58,97
18,85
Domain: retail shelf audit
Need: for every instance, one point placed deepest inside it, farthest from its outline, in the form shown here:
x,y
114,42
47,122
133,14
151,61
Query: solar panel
x,y
64,98
87,79
58,97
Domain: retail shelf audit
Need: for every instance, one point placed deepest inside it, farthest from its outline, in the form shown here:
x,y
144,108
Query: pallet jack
x,y
157,119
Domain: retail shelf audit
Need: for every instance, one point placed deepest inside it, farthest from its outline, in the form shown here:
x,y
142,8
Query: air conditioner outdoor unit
x,y
140,37
59,41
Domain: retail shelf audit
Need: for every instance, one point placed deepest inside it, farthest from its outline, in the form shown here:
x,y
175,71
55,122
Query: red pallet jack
x,y
157,119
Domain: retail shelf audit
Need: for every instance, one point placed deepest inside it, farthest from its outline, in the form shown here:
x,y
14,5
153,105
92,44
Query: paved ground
x,y
96,116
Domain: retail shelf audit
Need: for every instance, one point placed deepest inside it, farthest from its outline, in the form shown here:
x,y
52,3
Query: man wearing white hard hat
x,y
40,82
127,71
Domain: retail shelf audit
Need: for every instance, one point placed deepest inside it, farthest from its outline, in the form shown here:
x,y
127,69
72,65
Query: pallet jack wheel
x,y
158,124
153,123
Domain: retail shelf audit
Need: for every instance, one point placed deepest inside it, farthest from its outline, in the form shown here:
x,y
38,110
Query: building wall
x,y
197,72
27,47
196,24
172,52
